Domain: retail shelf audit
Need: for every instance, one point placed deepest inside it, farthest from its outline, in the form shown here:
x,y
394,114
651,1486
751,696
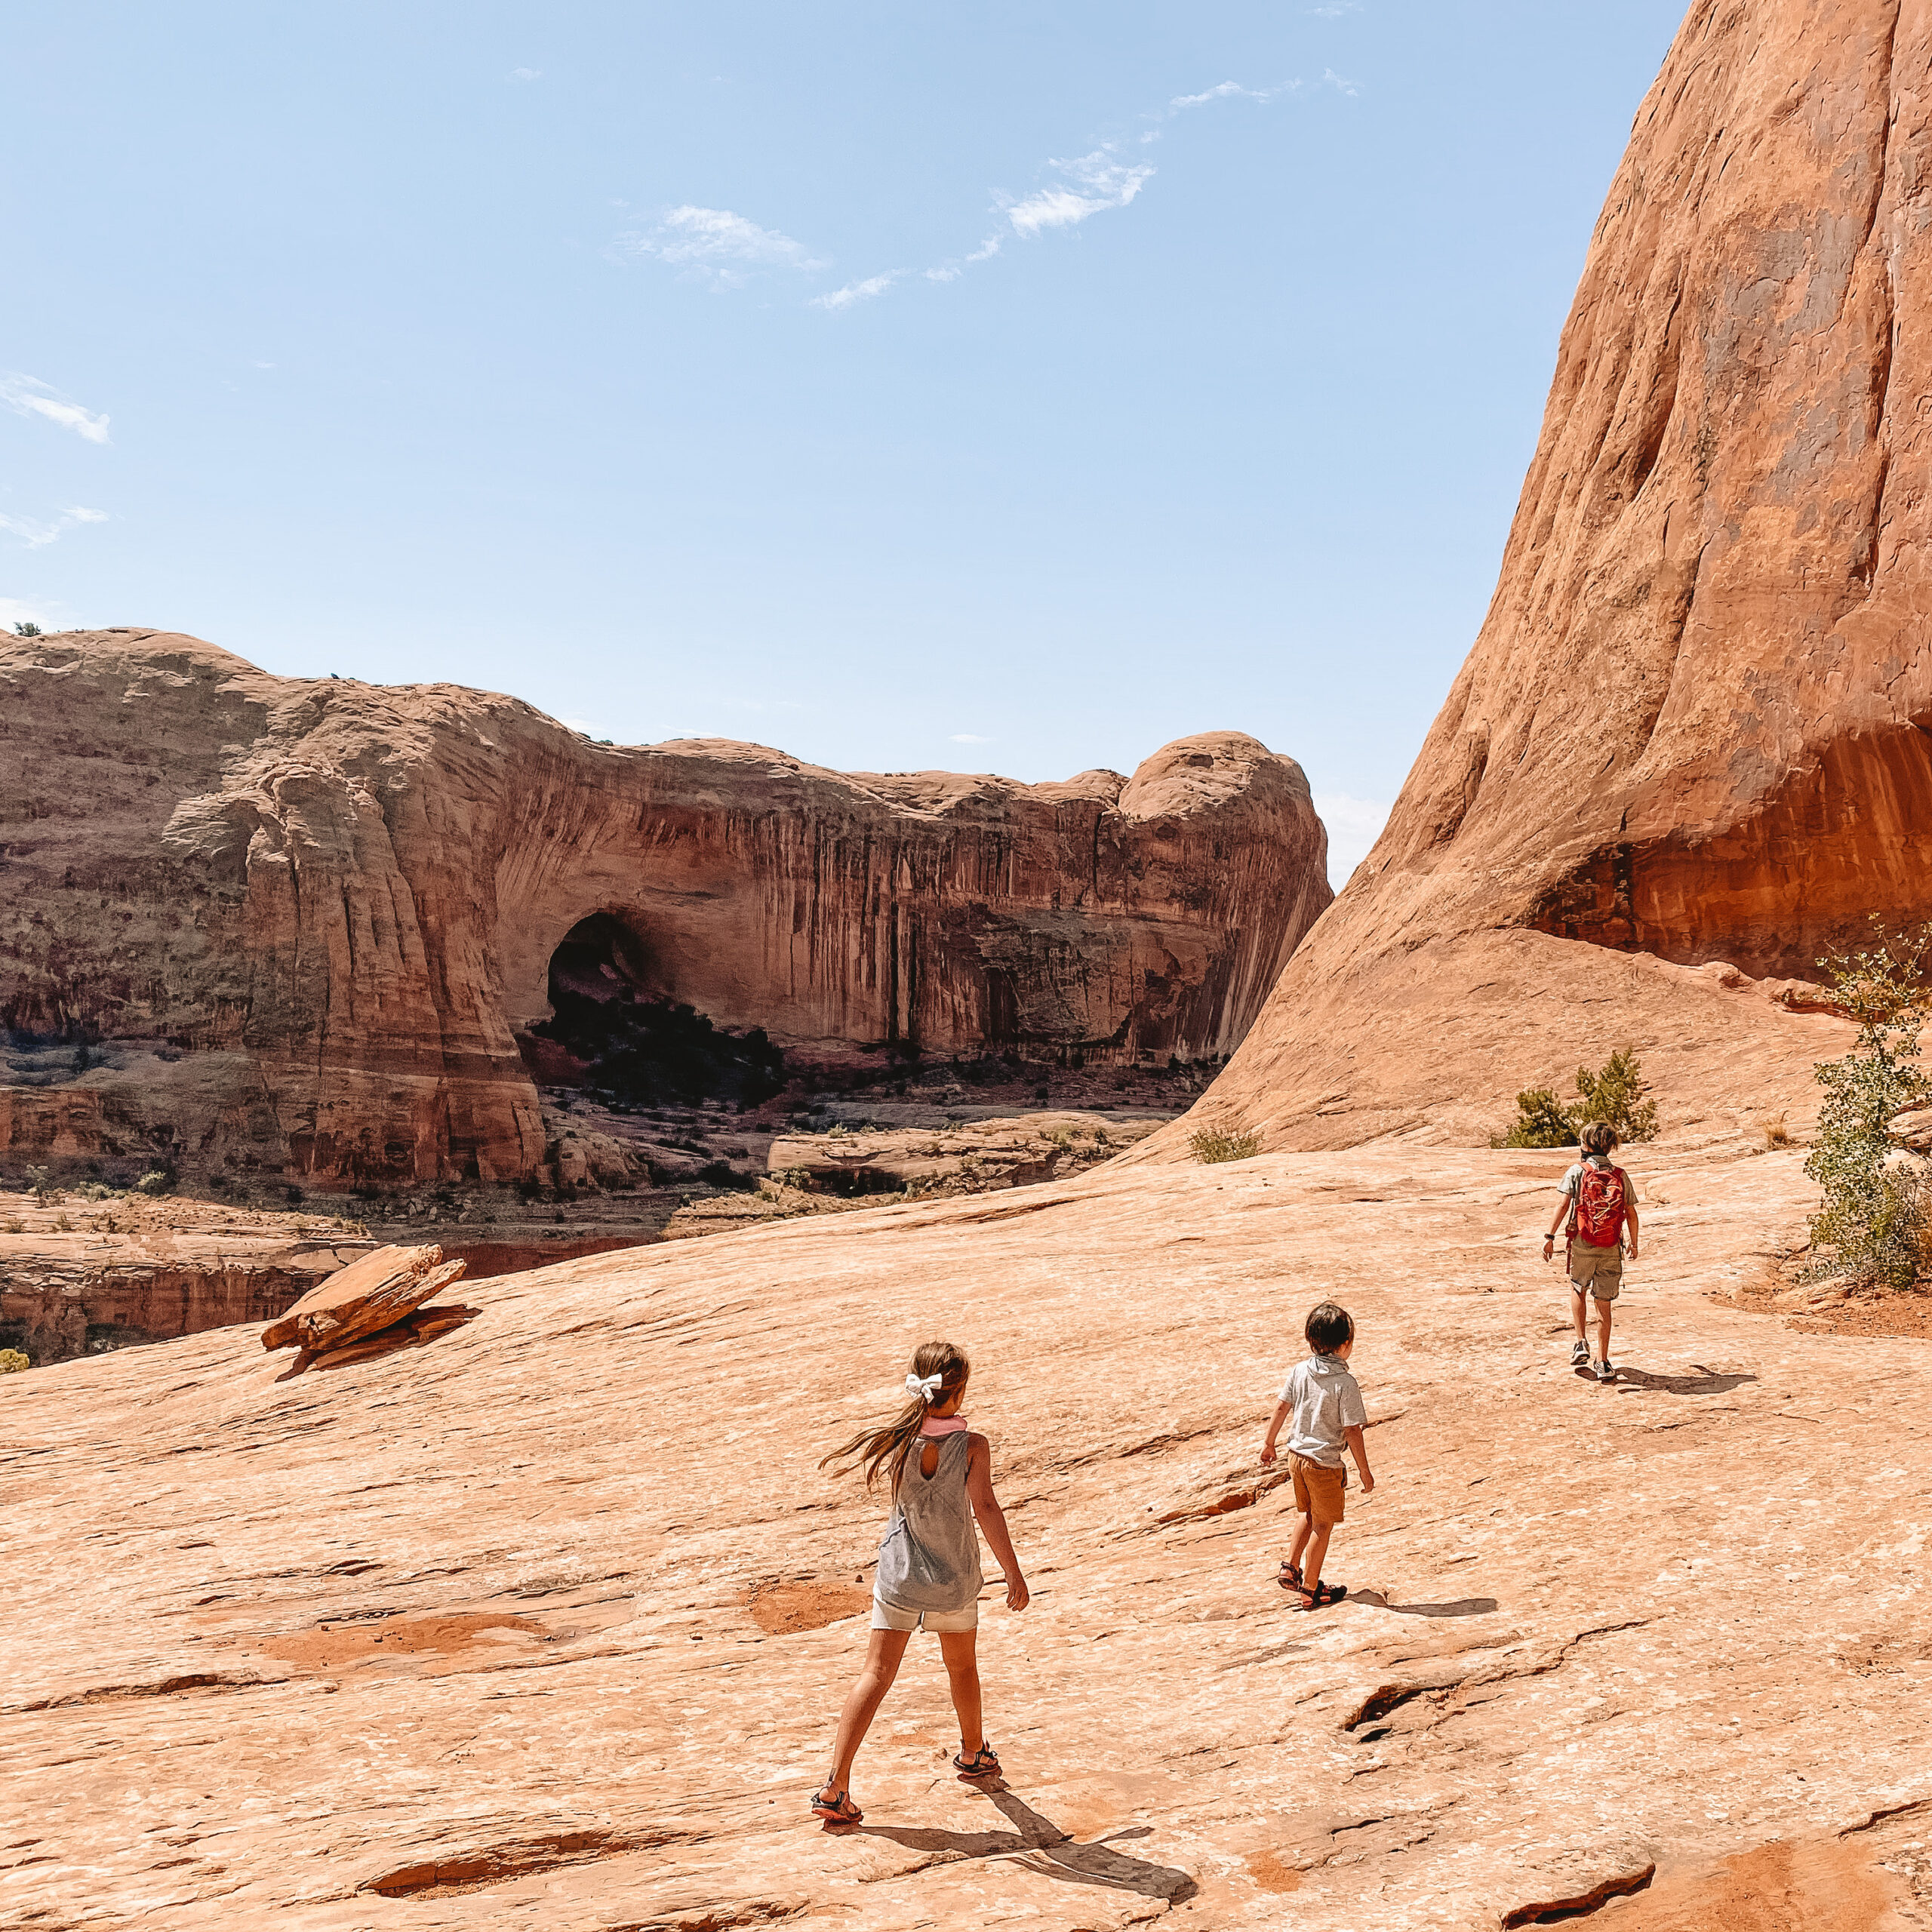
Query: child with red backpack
x,y
1598,1199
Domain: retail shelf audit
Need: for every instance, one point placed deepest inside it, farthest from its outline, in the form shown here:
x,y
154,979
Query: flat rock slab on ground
x,y
565,1647
370,1294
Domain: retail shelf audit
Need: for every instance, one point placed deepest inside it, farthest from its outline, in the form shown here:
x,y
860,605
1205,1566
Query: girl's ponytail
x,y
876,1448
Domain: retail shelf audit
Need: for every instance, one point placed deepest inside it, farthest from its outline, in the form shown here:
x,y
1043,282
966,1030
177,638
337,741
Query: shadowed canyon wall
x,y
316,918
1697,725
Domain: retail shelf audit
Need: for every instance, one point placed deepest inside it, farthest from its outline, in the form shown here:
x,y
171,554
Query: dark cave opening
x,y
613,1031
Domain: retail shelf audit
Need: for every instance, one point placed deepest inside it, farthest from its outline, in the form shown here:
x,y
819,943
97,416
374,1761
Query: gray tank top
x,y
929,1557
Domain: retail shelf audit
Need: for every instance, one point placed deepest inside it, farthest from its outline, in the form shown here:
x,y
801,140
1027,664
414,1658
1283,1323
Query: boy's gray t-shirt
x,y
1327,1400
1601,1162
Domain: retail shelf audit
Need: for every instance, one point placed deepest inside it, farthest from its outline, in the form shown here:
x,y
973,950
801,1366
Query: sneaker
x,y
1579,1353
1606,1370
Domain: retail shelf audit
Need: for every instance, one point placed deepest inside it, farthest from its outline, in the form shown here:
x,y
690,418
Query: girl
x,y
928,1562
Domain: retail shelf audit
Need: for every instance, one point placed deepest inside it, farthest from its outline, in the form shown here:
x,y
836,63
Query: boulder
x,y
368,1294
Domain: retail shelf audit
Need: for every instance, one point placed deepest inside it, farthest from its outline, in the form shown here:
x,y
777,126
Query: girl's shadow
x,y
1037,1844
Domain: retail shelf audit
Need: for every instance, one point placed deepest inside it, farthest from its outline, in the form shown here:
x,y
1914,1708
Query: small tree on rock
x,y
1874,1223
1614,1093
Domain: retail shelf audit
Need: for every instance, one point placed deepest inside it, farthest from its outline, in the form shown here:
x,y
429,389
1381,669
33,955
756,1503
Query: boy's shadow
x,y
1037,1844
1706,1381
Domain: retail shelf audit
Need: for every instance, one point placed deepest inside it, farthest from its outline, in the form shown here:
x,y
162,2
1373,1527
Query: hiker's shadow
x,y
1706,1381
1037,1844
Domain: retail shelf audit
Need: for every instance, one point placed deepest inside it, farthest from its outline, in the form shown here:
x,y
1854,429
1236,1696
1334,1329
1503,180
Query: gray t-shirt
x,y
929,1557
1602,1162
1326,1400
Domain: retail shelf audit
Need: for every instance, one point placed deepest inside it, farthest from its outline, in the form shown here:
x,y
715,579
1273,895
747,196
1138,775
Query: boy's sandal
x,y
984,1763
1322,1595
1289,1577
835,1807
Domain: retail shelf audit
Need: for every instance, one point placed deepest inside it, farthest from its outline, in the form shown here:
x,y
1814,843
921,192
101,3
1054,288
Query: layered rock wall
x,y
309,920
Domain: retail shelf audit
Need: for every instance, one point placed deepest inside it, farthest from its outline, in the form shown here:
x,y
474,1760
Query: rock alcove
x,y
340,907
615,1028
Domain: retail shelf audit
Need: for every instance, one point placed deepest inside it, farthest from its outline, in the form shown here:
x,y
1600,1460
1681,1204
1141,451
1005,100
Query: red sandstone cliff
x,y
1697,726
313,918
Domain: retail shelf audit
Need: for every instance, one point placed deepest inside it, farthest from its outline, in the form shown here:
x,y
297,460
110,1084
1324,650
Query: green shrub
x,y
1875,1223
1614,1094
156,1180
1542,1120
1213,1144
12,1361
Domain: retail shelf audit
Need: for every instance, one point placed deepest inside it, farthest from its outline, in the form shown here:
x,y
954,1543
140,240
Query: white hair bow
x,y
926,1387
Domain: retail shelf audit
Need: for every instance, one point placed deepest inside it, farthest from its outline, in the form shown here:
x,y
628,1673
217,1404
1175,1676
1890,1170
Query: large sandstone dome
x,y
314,921
1694,731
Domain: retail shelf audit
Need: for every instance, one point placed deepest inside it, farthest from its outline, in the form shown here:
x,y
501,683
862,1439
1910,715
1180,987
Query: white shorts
x,y
889,1617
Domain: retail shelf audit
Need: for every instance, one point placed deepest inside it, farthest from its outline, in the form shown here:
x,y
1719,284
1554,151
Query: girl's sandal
x,y
984,1763
1322,1595
1289,1577
835,1807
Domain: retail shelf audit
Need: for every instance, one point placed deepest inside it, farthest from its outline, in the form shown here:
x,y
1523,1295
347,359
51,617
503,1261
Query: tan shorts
x,y
889,1617
1598,1269
1318,1489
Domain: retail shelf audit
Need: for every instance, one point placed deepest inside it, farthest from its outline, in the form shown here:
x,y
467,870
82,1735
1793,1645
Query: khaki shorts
x,y
1318,1489
889,1617
1598,1269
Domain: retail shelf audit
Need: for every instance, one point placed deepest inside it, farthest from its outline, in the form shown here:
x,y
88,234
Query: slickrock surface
x,y
844,1169
564,1647
303,923
1695,722
973,1157
127,1270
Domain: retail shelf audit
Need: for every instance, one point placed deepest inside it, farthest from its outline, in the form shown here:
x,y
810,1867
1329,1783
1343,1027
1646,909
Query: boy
x,y
1598,1199
1322,1397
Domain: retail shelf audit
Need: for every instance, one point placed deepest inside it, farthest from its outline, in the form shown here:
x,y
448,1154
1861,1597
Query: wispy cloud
x,y
857,291
28,396
35,534
526,73
1330,78
715,245
969,738
724,249
1089,185
1229,91
1333,9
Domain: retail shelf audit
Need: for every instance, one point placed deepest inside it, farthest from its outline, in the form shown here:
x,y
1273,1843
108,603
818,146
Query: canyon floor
x,y
547,1624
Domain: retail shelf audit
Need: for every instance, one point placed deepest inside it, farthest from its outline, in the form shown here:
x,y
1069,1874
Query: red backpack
x,y
1597,1219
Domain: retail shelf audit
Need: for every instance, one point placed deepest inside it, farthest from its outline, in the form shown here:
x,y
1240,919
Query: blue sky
x,y
1006,388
